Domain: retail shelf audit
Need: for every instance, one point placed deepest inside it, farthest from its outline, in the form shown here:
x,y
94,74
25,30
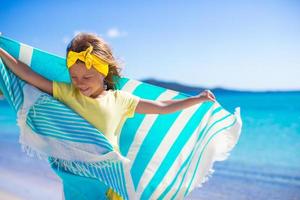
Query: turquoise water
x,y
268,152
271,128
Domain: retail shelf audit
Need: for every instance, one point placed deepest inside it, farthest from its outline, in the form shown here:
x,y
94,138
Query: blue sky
x,y
250,45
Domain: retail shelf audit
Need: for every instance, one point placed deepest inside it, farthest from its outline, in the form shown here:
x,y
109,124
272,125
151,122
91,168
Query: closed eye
x,y
87,77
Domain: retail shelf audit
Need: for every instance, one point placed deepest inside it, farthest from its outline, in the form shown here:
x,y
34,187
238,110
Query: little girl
x,y
92,92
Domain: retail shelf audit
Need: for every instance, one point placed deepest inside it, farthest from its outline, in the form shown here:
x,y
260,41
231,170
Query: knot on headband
x,y
89,59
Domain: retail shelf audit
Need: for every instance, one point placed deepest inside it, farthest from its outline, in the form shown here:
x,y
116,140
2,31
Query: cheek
x,y
94,82
74,81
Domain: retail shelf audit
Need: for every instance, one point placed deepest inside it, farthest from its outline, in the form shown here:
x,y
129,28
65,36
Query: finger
x,y
212,94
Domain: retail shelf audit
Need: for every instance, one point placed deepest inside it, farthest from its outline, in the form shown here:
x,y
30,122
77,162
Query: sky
x,y
234,44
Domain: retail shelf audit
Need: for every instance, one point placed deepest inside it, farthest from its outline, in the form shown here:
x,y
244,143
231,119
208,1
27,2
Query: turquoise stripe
x,y
38,117
216,110
120,82
131,125
107,177
174,152
183,166
198,162
10,46
56,112
11,87
111,179
200,136
211,126
122,183
17,92
148,147
53,105
122,177
66,133
114,178
118,180
115,173
195,150
76,186
50,102
52,114
64,125
36,111
54,67
87,129
46,118
4,86
12,95
82,139
103,179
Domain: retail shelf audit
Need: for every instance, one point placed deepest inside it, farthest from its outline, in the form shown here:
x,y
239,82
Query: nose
x,y
79,83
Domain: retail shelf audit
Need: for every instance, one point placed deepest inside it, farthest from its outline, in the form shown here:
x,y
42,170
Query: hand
x,y
207,95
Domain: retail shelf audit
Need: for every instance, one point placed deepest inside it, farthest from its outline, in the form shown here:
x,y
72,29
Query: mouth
x,y
85,90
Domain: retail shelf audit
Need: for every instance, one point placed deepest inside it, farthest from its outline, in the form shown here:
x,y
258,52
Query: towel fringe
x,y
74,166
230,141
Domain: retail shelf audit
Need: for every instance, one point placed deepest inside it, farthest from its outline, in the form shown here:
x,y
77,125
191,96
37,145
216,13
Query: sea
x,y
264,165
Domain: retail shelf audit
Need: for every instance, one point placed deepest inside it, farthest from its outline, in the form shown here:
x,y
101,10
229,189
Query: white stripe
x,y
72,127
93,171
49,115
51,106
166,145
145,126
56,132
56,111
120,179
117,179
105,176
112,177
196,151
100,173
123,179
25,54
206,163
131,85
185,151
218,143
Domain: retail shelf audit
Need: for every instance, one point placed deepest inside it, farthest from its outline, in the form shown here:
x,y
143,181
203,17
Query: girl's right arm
x,y
25,72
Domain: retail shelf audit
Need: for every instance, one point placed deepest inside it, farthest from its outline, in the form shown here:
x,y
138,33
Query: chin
x,y
86,93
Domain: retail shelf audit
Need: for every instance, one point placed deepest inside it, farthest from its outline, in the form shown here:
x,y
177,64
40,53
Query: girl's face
x,y
88,81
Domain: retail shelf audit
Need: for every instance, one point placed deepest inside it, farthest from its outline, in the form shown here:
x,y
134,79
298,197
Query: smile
x,y
84,90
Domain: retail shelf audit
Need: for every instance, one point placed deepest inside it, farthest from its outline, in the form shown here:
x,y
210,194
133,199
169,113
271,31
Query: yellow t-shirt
x,y
106,113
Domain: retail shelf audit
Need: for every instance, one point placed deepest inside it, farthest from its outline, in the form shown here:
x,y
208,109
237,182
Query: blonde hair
x,y
101,49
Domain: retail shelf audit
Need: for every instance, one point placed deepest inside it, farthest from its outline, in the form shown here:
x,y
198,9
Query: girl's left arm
x,y
163,107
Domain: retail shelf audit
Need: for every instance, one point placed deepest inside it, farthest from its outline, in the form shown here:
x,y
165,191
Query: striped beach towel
x,y
163,156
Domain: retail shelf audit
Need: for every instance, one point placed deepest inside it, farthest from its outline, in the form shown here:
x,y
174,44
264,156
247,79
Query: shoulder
x,y
60,88
127,101
61,84
124,94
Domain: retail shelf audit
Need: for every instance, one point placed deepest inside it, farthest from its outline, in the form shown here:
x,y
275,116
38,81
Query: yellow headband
x,y
89,60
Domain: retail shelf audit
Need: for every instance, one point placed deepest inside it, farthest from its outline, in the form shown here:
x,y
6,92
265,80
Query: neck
x,y
99,92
